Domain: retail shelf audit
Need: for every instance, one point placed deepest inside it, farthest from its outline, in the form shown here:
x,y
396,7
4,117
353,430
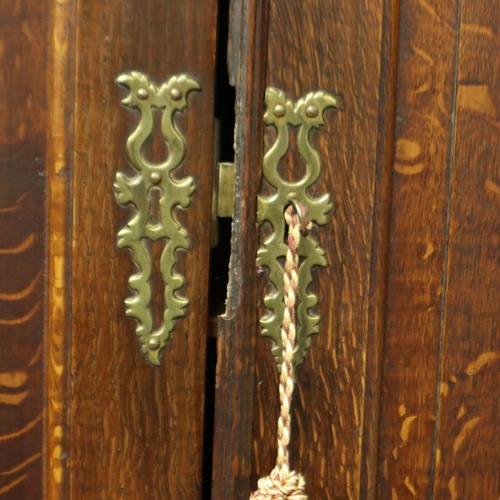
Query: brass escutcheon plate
x,y
171,97
306,113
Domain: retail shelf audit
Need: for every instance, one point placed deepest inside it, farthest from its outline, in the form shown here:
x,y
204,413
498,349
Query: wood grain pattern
x,y
136,431
333,46
468,441
236,335
417,254
22,246
61,82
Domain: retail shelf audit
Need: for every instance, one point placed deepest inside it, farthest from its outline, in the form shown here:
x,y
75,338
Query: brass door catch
x,y
306,113
171,97
224,195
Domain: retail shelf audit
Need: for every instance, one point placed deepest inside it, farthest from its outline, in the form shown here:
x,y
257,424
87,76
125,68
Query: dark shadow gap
x,y
219,256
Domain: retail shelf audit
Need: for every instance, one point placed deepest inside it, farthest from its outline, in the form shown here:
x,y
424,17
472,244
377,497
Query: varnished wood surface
x,y
237,327
418,354
136,431
22,246
468,438
417,254
336,47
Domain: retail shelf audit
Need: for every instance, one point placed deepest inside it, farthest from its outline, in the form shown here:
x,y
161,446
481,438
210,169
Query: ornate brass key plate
x,y
171,96
306,113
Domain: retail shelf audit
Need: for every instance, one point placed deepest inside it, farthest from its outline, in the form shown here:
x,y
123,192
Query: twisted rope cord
x,y
283,484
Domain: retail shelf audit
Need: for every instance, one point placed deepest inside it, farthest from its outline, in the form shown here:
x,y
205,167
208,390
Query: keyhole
x,y
155,194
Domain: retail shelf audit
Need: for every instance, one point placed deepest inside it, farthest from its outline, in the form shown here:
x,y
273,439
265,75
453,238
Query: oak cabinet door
x,y
146,432
81,398
397,397
335,47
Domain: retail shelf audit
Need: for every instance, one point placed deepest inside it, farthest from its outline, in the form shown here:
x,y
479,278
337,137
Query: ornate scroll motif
x,y
306,113
171,97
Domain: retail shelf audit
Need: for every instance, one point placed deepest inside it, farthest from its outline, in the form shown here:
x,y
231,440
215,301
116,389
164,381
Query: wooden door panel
x,y
422,163
407,309
468,442
336,47
23,146
247,47
136,431
236,336
301,57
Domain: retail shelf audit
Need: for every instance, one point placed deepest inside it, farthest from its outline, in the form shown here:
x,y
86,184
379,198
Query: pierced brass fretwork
x,y
171,96
306,113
